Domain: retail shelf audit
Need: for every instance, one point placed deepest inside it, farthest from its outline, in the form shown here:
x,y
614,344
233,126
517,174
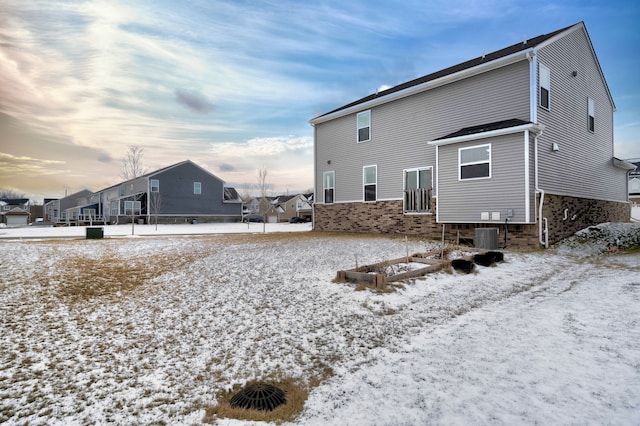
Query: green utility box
x,y
95,233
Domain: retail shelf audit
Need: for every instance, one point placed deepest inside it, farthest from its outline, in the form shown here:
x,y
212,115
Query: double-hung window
x,y
197,188
370,182
364,126
417,190
155,185
591,115
328,184
474,162
545,87
132,207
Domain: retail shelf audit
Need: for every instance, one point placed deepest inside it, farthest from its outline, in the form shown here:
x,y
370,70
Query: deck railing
x,y
417,200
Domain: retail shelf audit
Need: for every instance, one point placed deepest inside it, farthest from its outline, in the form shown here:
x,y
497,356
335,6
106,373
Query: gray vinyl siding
x,y
464,201
582,167
401,129
176,191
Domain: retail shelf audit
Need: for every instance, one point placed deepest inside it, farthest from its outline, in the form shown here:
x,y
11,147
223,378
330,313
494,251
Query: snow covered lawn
x,y
149,330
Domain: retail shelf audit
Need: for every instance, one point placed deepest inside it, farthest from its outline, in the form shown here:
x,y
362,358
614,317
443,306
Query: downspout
x,y
543,224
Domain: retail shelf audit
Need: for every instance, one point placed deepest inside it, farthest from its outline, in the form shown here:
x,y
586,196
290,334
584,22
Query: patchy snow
x,y
148,330
44,232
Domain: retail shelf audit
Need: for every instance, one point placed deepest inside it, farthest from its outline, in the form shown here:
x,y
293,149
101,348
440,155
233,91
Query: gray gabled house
x,y
497,141
58,211
180,193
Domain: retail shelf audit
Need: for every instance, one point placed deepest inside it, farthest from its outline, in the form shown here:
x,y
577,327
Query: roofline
x,y
517,56
578,26
450,78
158,171
536,128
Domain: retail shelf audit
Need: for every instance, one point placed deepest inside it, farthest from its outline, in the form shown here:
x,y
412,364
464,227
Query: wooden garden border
x,y
367,274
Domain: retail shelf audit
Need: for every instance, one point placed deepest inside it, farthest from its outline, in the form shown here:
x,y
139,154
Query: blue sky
x,y
232,85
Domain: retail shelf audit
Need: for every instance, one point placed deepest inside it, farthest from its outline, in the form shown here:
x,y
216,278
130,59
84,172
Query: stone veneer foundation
x,y
386,217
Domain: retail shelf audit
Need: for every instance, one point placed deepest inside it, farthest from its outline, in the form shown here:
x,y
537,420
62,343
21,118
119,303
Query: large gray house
x,y
497,141
181,193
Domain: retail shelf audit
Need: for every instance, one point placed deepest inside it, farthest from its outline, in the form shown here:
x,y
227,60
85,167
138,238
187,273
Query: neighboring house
x,y
634,181
57,211
182,192
251,205
496,141
14,211
294,205
304,206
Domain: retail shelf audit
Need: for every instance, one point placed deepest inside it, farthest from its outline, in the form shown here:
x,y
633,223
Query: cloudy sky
x,y
232,84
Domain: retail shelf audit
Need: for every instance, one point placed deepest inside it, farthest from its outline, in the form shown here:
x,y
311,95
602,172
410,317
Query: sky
x,y
232,85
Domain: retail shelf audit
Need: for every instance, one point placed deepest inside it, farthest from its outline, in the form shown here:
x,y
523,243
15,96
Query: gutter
x,y
536,128
625,165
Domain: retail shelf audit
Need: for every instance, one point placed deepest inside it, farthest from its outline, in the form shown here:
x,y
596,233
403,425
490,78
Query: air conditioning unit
x,y
486,238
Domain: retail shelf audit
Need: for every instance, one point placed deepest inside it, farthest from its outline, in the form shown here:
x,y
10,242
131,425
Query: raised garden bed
x,y
378,275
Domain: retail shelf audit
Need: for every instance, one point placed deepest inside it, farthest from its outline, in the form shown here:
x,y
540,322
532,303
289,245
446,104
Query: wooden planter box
x,y
374,276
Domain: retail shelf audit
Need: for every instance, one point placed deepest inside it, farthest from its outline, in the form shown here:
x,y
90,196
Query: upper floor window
x,y
545,87
121,191
155,185
364,126
417,190
591,114
328,183
370,182
197,188
474,162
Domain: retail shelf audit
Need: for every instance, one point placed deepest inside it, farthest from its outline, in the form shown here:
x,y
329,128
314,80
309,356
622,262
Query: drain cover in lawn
x,y
259,397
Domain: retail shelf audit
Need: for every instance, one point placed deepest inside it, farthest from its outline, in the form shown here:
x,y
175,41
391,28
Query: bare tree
x,y
10,194
262,182
155,205
132,166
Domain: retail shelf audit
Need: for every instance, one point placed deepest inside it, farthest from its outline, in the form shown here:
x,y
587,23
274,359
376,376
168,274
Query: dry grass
x,y
110,274
296,394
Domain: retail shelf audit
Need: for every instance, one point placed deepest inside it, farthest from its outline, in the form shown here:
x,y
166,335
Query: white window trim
x,y
358,126
543,67
199,185
364,184
331,172
152,186
591,112
460,164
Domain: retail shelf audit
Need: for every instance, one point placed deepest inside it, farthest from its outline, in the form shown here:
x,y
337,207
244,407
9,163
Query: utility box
x,y
95,233
486,238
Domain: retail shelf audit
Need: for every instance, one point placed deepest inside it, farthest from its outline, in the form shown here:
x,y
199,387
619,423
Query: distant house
x,y
289,206
14,211
251,205
496,141
181,193
62,211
